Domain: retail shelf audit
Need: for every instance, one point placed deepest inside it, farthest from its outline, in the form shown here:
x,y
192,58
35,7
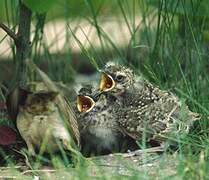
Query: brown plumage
x,y
41,125
100,132
17,96
142,108
62,103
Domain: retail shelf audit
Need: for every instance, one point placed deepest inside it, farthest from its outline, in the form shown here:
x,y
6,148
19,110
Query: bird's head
x,y
41,102
88,100
116,79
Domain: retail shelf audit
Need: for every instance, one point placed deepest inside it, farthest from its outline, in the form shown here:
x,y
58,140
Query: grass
x,y
169,49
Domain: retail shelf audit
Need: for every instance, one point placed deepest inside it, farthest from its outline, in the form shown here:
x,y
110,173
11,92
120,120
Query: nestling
x,y
143,108
41,125
100,133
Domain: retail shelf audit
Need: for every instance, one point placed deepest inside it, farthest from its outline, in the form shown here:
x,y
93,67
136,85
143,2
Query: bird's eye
x,y
120,77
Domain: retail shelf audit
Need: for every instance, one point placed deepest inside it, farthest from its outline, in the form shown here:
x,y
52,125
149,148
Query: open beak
x,y
106,83
85,103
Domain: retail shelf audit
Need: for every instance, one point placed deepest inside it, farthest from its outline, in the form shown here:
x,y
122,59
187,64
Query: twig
x,y
8,177
158,149
9,32
25,156
143,151
38,171
12,167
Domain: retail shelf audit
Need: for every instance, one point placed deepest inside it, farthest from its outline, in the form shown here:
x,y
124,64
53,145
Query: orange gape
x,y
107,83
85,103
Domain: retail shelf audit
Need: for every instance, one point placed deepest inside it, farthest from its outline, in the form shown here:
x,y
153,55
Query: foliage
x,y
168,46
39,5
198,8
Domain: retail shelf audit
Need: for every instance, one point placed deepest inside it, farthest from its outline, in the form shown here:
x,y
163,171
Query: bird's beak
x,y
85,103
106,83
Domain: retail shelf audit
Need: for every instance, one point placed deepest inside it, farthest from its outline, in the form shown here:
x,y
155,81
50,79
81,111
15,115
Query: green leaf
x,y
39,6
195,8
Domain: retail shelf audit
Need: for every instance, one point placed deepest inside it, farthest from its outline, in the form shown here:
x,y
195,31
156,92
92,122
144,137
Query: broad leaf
x,y
7,135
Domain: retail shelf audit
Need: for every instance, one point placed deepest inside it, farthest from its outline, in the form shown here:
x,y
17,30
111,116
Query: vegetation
x,y
167,43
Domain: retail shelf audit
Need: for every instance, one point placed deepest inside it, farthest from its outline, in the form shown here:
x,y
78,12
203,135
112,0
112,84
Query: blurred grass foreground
x,y
165,40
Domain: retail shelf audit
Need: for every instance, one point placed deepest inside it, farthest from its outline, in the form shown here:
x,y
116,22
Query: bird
x,y
142,109
41,125
100,133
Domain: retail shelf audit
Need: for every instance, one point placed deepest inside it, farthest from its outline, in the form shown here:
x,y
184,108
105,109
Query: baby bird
x,y
41,125
100,133
142,108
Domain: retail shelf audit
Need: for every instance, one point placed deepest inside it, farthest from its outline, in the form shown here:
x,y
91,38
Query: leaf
x,y
7,135
39,6
2,105
194,8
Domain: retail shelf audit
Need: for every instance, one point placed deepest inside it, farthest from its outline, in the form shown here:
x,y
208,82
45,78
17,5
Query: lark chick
x,y
142,108
41,125
100,133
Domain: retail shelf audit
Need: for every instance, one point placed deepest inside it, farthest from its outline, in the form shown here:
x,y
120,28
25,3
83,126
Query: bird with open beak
x,y
142,108
100,133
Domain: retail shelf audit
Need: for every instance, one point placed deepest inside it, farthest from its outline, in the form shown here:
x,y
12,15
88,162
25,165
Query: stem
x,y
23,49
8,31
23,43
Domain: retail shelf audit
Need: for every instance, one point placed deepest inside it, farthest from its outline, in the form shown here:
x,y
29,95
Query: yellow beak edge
x,y
106,83
85,103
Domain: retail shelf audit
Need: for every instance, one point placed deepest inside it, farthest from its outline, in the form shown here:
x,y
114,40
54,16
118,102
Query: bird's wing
x,y
154,112
143,121
156,120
